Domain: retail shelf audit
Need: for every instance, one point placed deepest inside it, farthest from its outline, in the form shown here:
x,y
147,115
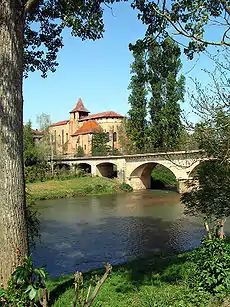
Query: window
x,y
107,135
114,136
84,147
55,136
62,137
67,137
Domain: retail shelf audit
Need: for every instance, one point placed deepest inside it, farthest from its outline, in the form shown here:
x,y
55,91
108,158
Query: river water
x,y
83,233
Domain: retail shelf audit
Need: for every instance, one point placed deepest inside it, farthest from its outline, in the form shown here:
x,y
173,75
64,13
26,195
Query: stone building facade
x,y
77,131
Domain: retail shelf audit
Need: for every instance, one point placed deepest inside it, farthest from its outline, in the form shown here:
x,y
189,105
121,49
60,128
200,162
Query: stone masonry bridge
x,y
136,169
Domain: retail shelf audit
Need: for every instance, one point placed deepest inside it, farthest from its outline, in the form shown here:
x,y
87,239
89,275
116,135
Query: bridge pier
x,y
182,185
137,183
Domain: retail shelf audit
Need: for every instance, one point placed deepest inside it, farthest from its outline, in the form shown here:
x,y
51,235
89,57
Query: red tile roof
x,y
63,122
79,107
36,132
89,127
101,115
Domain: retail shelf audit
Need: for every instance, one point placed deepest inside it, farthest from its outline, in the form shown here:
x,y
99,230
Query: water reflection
x,y
85,232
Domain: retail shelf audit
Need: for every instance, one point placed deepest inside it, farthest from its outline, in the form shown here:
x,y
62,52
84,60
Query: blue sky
x,y
98,72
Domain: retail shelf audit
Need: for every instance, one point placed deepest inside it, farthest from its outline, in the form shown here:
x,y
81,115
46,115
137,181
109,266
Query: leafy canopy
x,y
44,25
100,145
190,19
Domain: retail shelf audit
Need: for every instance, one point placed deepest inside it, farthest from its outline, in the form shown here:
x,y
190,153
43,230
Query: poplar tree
x,y
166,91
137,123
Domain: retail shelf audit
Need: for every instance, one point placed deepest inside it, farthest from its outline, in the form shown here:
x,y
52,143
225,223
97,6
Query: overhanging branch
x,y
180,30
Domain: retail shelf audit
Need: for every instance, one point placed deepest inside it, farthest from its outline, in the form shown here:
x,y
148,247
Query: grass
x,y
158,282
72,187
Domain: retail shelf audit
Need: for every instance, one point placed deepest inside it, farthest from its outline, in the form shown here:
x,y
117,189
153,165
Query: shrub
x,y
25,286
40,171
80,152
125,187
212,265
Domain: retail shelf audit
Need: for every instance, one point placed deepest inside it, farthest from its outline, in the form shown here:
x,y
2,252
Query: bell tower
x,y
77,113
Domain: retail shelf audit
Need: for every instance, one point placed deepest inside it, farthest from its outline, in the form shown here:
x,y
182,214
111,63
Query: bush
x,y
125,187
40,171
26,286
212,265
80,152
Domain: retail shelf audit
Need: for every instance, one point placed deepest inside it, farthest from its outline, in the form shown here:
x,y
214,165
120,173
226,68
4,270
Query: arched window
x,y
107,134
114,136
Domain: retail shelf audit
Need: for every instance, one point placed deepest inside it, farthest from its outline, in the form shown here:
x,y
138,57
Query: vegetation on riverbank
x,y
74,187
162,281
162,177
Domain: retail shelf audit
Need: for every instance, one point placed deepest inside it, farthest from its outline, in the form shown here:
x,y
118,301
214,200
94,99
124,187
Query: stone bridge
x,y
136,169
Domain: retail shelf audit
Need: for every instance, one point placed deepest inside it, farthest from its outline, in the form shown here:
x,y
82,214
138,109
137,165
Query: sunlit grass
x,y
161,282
72,187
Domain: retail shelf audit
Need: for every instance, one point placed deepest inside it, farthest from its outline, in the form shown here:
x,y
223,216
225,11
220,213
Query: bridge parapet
x,y
136,169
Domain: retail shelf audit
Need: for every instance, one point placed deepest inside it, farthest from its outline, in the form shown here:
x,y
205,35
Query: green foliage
x,y
80,152
209,193
213,133
100,144
167,90
136,127
38,172
29,151
212,265
80,186
25,285
125,187
187,18
155,124
160,281
32,220
114,152
163,176
41,44
127,146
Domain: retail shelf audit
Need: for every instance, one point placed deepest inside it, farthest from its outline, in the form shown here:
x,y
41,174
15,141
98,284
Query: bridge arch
x,y
196,166
140,177
107,169
84,167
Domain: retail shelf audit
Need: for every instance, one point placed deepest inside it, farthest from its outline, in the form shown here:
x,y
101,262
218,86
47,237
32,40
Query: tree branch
x,y
226,7
29,4
99,284
183,32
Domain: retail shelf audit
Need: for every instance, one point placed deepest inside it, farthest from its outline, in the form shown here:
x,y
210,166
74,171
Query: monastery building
x,y
77,131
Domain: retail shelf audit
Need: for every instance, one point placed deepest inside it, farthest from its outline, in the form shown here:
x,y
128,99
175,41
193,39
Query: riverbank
x,y
80,186
160,281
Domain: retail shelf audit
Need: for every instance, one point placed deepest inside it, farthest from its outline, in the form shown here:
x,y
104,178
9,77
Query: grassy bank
x,y
157,282
73,187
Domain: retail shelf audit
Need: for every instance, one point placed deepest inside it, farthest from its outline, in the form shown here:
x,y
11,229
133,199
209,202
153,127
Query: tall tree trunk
x,y
13,230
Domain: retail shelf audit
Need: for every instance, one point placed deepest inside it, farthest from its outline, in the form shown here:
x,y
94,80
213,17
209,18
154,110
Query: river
x,y
83,233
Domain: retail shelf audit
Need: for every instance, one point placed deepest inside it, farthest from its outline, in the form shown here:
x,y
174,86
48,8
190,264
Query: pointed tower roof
x,y
79,107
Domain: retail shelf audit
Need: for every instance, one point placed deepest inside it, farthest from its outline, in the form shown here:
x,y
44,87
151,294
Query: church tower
x,y
77,113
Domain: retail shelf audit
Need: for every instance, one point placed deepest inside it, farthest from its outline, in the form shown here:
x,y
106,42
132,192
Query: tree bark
x,y
221,228
13,230
206,226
